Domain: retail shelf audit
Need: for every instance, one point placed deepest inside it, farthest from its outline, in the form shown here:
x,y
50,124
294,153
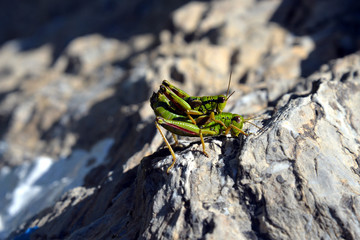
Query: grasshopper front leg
x,y
237,124
231,126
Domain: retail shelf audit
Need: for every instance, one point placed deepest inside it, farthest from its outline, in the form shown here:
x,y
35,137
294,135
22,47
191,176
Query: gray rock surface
x,y
89,83
295,179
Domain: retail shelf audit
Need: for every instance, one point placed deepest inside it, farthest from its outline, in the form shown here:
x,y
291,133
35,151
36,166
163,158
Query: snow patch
x,y
27,189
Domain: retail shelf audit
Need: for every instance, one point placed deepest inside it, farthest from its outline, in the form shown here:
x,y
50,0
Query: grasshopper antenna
x,y
227,92
255,125
256,118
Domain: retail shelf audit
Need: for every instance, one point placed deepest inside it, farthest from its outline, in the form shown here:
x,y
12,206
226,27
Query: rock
x,y
305,150
76,96
283,182
92,51
327,28
217,59
188,17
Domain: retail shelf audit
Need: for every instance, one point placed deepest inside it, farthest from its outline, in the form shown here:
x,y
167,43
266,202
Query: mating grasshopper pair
x,y
184,115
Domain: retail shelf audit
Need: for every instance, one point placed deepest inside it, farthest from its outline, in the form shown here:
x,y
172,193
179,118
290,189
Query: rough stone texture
x,y
303,168
68,86
295,179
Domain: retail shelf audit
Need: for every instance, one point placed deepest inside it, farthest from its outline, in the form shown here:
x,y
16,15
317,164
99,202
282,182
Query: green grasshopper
x,y
163,108
206,123
212,125
193,105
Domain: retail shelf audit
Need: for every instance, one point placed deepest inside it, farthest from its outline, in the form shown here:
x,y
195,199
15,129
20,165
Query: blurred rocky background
x,y
80,157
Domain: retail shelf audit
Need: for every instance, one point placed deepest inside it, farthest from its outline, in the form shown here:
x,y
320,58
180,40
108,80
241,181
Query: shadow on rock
x,y
334,26
58,23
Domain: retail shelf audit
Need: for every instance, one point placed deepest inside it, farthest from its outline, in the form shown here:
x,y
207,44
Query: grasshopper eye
x,y
221,100
237,119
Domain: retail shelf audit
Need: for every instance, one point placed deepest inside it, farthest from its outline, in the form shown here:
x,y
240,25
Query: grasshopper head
x,y
238,121
221,103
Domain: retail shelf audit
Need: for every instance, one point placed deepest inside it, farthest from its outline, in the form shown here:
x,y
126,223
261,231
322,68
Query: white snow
x,y
31,187
26,189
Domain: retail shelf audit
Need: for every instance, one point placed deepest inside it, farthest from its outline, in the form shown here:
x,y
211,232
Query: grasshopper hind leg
x,y
176,143
169,146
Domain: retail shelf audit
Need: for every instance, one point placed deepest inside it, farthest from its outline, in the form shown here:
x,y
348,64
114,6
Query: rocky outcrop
x,y
84,105
296,178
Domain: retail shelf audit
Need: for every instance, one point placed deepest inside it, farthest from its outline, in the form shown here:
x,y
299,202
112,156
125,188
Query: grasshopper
x,y
212,125
193,105
163,108
171,103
